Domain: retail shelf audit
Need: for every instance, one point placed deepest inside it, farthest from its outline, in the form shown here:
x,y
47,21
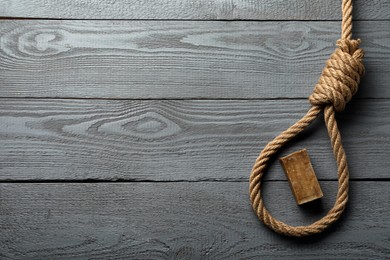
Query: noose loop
x,y
338,83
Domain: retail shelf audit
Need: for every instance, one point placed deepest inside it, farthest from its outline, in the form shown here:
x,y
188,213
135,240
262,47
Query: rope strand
x,y
338,83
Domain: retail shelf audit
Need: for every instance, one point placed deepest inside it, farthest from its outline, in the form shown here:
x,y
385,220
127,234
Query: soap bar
x,y
303,181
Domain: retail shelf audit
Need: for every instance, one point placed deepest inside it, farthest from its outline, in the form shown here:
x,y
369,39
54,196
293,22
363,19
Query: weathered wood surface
x,y
183,221
189,9
94,165
170,140
180,59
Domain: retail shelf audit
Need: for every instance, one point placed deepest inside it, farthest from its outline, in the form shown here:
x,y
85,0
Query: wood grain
x,y
170,140
182,221
180,59
96,161
198,10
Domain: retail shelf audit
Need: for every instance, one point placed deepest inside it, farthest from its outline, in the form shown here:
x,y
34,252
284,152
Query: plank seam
x,y
210,180
177,99
189,20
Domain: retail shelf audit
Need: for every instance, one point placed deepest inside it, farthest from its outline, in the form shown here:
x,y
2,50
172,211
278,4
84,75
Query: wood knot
x,y
340,78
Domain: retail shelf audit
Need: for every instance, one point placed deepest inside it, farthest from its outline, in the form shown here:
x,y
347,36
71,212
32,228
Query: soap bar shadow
x,y
315,207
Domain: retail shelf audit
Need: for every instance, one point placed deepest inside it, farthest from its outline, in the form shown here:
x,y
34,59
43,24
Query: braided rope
x,y
338,83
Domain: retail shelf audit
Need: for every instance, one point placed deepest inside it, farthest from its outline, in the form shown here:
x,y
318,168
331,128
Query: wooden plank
x,y
179,59
182,221
198,10
177,140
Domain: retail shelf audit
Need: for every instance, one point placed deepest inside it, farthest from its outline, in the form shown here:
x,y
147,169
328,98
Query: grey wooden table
x,y
128,128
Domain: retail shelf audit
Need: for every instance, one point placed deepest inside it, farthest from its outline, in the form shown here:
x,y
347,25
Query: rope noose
x,y
338,83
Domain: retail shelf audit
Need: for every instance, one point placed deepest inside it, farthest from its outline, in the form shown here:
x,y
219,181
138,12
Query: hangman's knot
x,y
341,76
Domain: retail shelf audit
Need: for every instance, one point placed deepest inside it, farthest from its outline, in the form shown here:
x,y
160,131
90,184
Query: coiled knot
x,y
341,76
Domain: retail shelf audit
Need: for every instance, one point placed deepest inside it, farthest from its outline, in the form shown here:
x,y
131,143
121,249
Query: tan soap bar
x,y
301,176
